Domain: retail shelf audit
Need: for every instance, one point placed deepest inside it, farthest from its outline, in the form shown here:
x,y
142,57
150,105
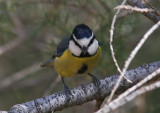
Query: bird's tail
x,y
48,63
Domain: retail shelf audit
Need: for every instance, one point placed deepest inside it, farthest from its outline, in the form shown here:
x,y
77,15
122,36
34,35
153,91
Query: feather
x,y
48,63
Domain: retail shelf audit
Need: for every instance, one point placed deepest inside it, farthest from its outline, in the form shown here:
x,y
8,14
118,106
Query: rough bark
x,y
150,15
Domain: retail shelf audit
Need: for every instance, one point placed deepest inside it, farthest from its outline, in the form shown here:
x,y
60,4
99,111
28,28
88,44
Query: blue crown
x,y
81,31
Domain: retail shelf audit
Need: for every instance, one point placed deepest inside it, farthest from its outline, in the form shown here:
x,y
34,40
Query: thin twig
x,y
121,101
128,7
130,90
111,40
132,55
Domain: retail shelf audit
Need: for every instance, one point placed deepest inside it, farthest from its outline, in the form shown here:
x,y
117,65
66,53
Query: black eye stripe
x,y
91,41
75,42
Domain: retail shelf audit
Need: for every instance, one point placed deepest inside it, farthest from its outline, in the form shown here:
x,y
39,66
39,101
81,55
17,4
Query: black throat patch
x,y
82,69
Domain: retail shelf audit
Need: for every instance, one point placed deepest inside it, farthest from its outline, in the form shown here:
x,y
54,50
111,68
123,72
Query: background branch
x,y
3,112
17,76
19,30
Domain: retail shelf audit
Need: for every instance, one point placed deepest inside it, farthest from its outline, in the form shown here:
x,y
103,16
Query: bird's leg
x,y
96,82
66,89
65,86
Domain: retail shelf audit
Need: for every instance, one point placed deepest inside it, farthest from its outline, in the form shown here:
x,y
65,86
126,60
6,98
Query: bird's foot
x,y
67,91
97,83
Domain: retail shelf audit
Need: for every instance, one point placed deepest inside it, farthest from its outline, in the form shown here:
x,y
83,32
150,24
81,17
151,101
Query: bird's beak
x,y
84,49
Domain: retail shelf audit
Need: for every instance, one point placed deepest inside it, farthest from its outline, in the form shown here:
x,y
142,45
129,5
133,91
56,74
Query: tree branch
x,y
85,92
150,15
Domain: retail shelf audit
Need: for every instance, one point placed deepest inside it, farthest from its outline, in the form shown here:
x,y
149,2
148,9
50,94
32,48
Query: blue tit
x,y
77,54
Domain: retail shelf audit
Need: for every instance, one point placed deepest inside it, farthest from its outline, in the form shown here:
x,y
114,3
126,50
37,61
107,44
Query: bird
x,y
77,54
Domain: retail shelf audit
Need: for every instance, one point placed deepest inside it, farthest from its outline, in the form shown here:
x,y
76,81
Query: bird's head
x,y
82,42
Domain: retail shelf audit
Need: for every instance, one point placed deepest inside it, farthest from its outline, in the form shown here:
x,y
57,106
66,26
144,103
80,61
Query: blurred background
x,y
31,29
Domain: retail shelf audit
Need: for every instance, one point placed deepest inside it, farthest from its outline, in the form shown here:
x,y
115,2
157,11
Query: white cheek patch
x,y
74,49
92,49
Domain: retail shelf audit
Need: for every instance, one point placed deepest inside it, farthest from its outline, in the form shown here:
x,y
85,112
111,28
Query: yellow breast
x,y
68,65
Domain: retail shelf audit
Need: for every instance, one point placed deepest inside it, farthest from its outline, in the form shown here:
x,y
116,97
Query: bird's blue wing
x,y
62,46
